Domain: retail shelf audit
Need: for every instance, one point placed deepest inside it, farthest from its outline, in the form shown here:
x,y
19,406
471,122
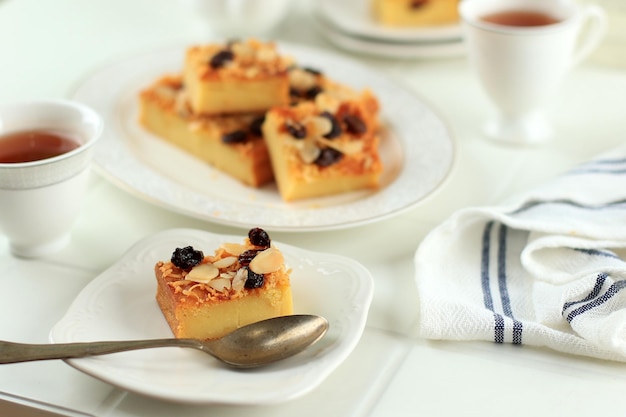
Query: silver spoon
x,y
256,344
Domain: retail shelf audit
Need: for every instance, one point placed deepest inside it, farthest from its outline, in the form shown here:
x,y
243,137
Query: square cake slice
x,y
325,146
415,13
241,76
206,297
232,144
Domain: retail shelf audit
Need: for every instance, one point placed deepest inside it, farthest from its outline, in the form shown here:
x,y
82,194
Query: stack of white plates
x,y
348,24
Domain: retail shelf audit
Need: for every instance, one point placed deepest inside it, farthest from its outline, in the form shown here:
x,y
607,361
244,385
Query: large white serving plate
x,y
416,149
120,304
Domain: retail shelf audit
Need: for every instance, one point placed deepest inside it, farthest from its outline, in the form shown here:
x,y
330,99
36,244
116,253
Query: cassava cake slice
x,y
206,297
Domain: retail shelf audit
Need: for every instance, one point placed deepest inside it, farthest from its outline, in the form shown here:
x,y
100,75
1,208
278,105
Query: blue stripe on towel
x,y
600,280
601,166
503,285
499,321
532,204
597,252
484,271
598,301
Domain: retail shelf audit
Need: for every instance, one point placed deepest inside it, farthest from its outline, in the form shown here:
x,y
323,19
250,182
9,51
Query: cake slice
x,y
232,144
325,146
415,13
206,297
241,76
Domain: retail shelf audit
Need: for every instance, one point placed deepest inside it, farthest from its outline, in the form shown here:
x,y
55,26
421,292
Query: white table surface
x,y
47,46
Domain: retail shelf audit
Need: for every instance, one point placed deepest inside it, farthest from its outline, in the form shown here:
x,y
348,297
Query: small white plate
x,y
355,18
120,305
405,50
416,150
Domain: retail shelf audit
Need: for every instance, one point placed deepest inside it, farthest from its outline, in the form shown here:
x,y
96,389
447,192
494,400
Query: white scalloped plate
x,y
416,150
120,305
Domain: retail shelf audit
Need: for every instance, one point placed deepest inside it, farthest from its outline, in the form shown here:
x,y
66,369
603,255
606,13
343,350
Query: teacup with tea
x,y
45,156
521,51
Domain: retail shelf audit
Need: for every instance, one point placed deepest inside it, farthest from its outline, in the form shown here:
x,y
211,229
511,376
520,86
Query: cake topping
x,y
187,257
221,58
335,128
241,58
354,124
259,237
238,136
254,280
233,267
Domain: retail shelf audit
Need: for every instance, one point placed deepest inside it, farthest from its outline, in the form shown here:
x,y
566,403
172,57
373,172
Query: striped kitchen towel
x,y
546,269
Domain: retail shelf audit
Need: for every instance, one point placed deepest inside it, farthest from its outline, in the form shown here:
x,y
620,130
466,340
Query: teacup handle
x,y
594,21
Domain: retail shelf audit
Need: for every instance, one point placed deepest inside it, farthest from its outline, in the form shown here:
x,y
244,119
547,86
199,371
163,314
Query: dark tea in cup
x,y
34,145
520,18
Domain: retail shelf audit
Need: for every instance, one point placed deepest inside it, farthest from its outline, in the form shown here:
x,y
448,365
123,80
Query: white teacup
x,y
241,18
41,199
521,65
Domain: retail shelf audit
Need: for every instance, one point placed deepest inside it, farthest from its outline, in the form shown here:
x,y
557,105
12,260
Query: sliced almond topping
x,y
270,260
309,152
202,273
234,249
319,126
220,284
239,279
325,102
225,262
301,80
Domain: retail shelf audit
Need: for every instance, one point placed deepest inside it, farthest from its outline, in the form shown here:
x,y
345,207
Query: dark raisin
x,y
296,130
327,157
312,92
259,237
221,58
293,92
246,257
255,126
187,257
312,70
238,136
354,124
254,280
416,4
336,129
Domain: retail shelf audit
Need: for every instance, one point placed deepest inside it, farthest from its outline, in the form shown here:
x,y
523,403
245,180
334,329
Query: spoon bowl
x,y
250,346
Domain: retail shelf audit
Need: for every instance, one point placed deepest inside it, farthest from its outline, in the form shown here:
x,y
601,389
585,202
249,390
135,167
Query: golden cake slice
x,y
241,76
415,13
206,297
325,146
232,144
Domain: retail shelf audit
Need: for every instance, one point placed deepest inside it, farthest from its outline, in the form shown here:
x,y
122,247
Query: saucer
x,y
425,49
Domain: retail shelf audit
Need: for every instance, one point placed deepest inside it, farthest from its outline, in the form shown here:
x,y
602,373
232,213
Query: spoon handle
x,y
11,352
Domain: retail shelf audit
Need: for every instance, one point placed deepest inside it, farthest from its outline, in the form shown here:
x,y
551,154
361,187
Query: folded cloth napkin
x,y
542,270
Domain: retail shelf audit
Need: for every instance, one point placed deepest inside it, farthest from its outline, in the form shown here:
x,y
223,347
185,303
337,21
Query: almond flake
x,y
270,260
220,284
202,273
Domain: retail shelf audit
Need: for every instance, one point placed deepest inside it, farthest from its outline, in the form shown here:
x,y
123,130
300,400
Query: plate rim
x,y
362,285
